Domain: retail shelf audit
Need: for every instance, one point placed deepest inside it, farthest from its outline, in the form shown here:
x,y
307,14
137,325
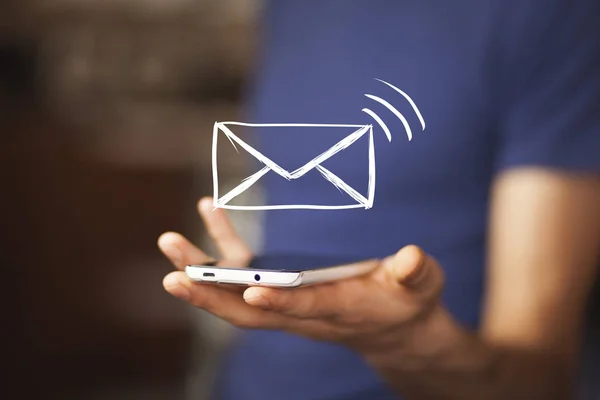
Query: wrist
x,y
431,342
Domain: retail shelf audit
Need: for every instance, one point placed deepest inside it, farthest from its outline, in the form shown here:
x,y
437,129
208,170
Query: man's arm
x,y
544,245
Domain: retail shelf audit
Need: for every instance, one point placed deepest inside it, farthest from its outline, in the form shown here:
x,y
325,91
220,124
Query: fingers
x,y
231,307
412,268
407,282
223,303
300,303
180,251
324,301
219,228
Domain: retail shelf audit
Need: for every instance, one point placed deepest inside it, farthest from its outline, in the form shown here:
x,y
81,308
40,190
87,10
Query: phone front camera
x,y
257,277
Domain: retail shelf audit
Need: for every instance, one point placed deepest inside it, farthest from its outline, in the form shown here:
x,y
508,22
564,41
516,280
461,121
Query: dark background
x,y
106,112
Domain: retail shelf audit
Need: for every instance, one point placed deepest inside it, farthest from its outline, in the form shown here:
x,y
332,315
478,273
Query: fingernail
x,y
177,289
418,271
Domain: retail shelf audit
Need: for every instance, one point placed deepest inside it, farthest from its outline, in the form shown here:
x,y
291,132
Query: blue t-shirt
x,y
499,84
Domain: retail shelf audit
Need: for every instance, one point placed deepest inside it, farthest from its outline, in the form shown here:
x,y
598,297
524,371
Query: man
x,y
487,222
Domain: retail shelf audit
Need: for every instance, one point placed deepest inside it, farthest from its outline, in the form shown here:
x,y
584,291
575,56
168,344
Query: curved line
x,y
407,97
380,122
396,113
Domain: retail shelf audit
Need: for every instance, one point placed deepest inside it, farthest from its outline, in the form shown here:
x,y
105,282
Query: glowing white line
x,y
292,207
315,162
246,183
336,148
291,125
380,122
371,188
407,97
214,165
258,155
272,166
340,184
233,144
396,113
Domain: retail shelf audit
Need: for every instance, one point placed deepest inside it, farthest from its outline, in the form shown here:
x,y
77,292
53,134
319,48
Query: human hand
x,y
386,309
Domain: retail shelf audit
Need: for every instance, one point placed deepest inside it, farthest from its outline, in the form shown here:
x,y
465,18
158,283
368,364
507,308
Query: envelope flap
x,y
312,143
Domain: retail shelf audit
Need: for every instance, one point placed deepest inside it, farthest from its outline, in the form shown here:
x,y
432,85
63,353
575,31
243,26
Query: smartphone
x,y
281,270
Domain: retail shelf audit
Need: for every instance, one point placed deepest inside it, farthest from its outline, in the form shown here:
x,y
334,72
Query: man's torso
x,y
320,60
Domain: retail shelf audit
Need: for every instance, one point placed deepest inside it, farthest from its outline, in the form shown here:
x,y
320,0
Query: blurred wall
x,y
106,110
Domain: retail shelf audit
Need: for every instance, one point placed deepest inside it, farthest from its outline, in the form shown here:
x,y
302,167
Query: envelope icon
x,y
355,133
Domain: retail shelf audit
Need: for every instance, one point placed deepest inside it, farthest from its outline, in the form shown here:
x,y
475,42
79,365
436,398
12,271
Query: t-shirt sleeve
x,y
547,82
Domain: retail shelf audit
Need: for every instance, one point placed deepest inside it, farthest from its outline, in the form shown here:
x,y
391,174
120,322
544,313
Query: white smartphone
x,y
281,270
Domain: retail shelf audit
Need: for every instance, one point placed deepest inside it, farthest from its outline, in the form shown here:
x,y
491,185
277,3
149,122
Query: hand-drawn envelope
x,y
356,132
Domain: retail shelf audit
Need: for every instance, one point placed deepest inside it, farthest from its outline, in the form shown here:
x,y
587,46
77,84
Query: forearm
x,y
452,363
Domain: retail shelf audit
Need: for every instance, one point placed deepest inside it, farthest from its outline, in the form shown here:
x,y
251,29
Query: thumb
x,y
415,270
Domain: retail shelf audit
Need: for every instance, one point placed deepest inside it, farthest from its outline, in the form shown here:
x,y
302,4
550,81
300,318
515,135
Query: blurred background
x,y
108,105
